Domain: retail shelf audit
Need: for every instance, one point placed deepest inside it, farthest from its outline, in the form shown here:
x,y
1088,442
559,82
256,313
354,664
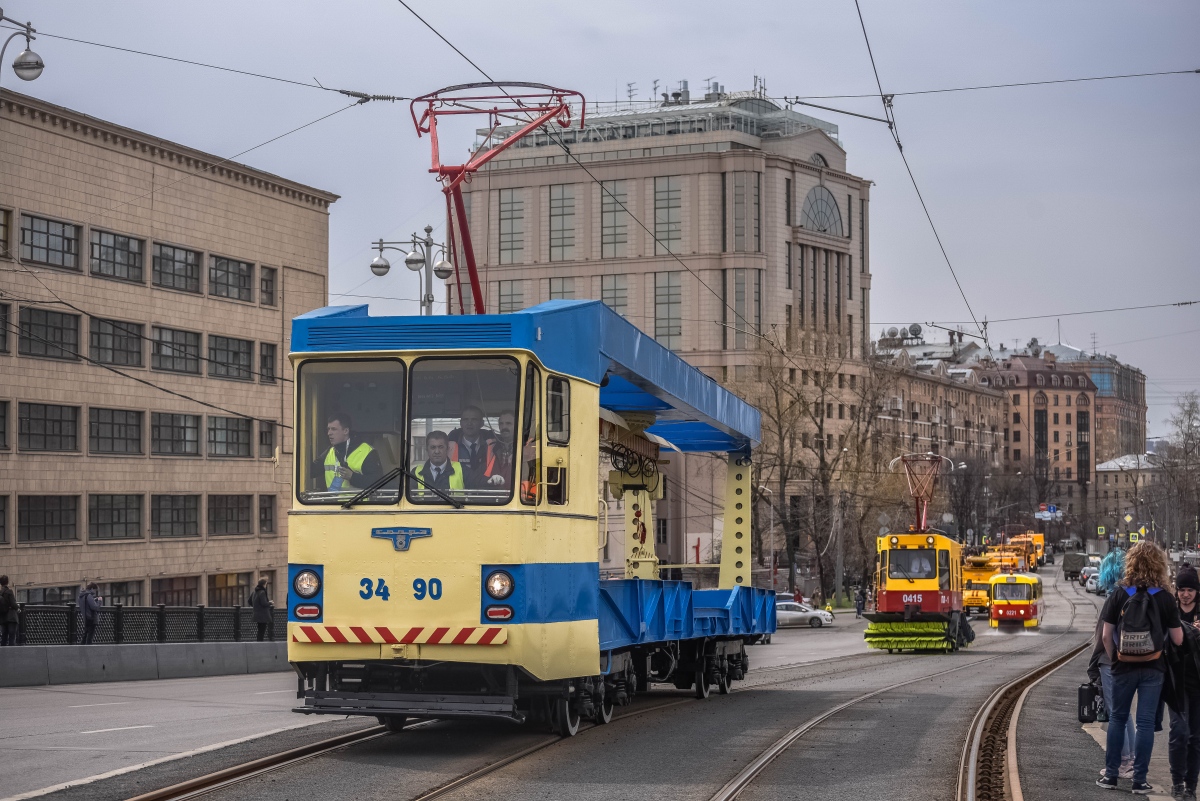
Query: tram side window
x,y
531,433
349,430
558,410
912,563
944,570
462,424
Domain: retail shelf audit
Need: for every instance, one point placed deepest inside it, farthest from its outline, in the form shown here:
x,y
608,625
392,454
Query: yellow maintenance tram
x,y
445,532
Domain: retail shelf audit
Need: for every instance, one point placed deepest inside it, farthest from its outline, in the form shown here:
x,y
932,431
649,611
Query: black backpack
x,y
1139,630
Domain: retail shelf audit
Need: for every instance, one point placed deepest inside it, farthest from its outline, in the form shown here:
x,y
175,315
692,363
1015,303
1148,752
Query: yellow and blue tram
x,y
1017,599
446,523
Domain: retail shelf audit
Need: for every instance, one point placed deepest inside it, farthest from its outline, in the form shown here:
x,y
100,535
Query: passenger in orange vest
x,y
474,447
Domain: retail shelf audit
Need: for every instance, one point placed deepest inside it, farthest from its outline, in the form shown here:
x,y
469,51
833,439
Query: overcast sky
x,y
1049,200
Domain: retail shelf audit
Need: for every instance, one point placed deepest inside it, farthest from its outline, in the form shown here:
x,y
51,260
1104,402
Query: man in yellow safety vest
x,y
438,471
347,465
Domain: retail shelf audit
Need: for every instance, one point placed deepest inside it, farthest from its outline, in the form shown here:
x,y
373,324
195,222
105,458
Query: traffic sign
x,y
1128,518
1099,531
1052,509
1142,531
1042,507
1134,536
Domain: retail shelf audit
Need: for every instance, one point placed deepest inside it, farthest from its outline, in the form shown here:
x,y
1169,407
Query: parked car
x,y
790,613
1086,573
1093,584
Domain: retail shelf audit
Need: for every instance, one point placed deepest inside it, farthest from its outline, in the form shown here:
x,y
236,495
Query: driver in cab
x,y
438,471
348,465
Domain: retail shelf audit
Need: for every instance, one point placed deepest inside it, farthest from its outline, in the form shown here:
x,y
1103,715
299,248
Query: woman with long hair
x,y
1112,569
1144,590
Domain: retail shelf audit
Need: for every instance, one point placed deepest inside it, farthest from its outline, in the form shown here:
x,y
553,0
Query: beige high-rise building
x,y
713,225
146,290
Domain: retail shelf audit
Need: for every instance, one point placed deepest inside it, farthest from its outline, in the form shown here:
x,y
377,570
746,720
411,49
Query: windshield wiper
x,y
394,473
911,580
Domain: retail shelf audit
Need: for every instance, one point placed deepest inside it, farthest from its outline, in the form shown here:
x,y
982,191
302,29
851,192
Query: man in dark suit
x,y
438,471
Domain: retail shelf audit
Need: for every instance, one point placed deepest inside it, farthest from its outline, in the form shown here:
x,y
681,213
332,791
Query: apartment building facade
x,y
1121,410
720,227
146,290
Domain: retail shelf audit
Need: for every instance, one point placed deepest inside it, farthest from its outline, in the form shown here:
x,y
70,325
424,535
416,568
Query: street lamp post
x,y
28,65
418,259
771,530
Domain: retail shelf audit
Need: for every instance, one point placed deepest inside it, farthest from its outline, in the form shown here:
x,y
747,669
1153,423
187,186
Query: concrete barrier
x,y
32,665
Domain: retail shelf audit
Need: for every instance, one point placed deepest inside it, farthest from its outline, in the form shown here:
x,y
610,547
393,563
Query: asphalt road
x,y
902,744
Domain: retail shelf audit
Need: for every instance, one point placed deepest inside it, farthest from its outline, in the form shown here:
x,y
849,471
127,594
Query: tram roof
x,y
582,338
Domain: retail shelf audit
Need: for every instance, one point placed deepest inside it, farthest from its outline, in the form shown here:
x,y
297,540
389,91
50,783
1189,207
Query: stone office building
x,y
146,290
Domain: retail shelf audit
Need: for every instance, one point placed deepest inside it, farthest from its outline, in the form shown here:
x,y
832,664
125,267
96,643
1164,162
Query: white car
x,y
790,613
1092,585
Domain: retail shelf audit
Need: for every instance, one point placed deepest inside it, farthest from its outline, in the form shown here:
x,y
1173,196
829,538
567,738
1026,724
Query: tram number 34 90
x,y
422,589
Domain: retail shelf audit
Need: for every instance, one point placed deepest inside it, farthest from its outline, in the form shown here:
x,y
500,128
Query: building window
x,y
821,213
114,431
48,242
177,591
562,222
229,436
47,518
1017,399
50,334
229,589
4,519
175,351
562,289
176,268
614,291
668,309
746,205
115,342
175,516
4,312
267,277
174,434
230,358
614,219
230,514
4,215
266,439
266,362
230,278
787,201
43,427
116,256
745,306
3,425
668,214
1016,435
787,264
512,296
57,596
512,226
1016,454
125,593
114,517
266,514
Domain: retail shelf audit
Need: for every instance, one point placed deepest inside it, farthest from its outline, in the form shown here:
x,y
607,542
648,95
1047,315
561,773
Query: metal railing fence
x,y
115,625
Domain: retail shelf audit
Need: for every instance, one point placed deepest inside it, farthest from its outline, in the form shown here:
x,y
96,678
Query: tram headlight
x,y
499,585
306,584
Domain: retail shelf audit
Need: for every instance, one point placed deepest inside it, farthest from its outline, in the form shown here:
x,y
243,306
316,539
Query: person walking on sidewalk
x,y
860,602
1184,743
8,614
1140,617
1100,666
89,602
262,608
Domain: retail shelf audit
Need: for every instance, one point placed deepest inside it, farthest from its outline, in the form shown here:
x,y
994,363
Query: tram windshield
x,y
1012,592
462,430
350,429
912,563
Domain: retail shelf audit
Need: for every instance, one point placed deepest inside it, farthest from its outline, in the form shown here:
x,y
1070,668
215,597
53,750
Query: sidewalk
x,y
1060,758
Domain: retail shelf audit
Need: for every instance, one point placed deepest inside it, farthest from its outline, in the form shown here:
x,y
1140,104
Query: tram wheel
x,y
566,719
702,686
393,723
723,683
604,711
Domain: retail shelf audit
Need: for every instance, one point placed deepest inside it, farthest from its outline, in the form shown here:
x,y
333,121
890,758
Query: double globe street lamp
x,y
419,257
28,65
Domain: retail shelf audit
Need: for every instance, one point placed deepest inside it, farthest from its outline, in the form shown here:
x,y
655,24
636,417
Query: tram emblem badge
x,y
401,537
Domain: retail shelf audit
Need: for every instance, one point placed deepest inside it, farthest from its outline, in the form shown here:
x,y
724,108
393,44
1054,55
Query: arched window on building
x,y
1067,381
821,212
1040,398
1041,380
819,160
1082,400
1054,380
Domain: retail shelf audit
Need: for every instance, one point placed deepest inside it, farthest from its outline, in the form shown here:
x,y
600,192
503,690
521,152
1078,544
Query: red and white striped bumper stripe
x,y
419,635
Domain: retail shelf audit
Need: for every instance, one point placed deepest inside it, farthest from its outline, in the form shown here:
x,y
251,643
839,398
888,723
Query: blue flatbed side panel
x,y
639,611
581,338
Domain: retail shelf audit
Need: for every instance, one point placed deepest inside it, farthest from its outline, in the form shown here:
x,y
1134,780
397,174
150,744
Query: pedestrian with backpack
x,y
1140,617
1100,667
1184,748
8,614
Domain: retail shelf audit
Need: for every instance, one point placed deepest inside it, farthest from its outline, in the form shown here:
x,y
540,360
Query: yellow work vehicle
x,y
1034,542
977,572
1010,558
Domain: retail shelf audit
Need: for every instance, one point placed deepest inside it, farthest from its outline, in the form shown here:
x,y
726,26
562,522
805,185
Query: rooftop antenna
x,y
1093,343
654,89
1059,331
630,91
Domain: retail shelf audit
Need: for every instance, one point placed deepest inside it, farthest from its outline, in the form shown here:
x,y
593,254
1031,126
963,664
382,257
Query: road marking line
x,y
131,768
120,728
113,703
272,692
